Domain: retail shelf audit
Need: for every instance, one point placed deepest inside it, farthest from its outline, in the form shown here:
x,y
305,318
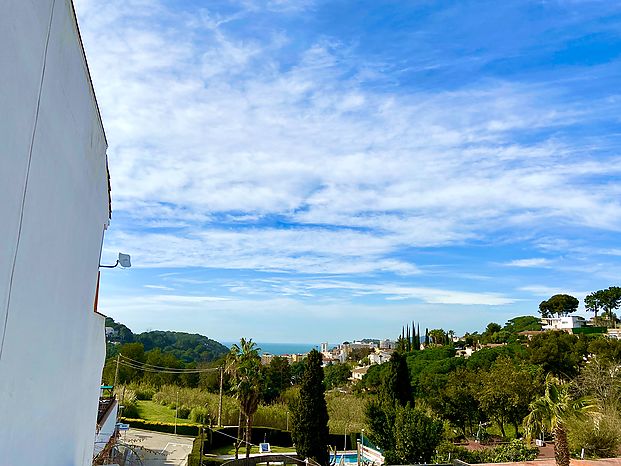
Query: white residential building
x,y
54,208
359,372
379,357
566,323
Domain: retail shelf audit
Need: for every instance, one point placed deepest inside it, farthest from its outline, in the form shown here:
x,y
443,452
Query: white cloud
x,y
303,250
159,287
533,262
204,123
311,287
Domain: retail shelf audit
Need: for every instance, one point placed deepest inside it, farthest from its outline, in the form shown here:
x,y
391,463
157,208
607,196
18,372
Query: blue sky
x,y
303,171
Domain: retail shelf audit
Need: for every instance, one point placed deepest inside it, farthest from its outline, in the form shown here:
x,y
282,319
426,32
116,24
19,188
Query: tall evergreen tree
x,y
396,386
408,339
310,413
418,337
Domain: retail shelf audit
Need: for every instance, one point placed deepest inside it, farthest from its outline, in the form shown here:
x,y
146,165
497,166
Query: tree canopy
x,y
559,304
310,413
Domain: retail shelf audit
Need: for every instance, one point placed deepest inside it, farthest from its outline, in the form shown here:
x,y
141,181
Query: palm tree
x,y
551,413
244,365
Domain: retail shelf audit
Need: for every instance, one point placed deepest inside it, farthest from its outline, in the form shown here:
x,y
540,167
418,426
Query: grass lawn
x,y
495,430
230,450
152,411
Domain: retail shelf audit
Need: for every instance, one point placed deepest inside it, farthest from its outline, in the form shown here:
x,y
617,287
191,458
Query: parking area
x,y
159,449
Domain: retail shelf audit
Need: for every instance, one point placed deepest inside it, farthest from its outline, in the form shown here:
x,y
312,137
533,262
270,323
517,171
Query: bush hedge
x,y
516,450
167,427
226,436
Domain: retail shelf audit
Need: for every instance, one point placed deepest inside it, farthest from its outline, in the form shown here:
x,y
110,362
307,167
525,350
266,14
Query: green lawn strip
x,y
495,430
152,411
230,450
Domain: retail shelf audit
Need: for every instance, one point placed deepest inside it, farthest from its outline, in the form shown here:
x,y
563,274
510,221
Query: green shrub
x,y
130,409
144,392
200,415
183,412
600,437
517,450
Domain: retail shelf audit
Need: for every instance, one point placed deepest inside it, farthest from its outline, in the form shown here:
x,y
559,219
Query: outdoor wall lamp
x,y
124,260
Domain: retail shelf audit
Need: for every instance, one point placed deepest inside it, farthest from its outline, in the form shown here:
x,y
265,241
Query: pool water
x,y
349,458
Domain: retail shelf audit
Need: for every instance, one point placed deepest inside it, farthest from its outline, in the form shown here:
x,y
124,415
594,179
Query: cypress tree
x,y
408,340
396,386
418,332
310,413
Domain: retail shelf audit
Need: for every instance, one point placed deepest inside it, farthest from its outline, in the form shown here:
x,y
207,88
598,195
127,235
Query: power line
x,y
163,371
139,365
166,370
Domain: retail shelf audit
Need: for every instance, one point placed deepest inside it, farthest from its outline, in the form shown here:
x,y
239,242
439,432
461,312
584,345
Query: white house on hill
x,y
566,323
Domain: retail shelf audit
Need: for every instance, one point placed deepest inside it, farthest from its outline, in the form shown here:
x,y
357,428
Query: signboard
x,y
122,426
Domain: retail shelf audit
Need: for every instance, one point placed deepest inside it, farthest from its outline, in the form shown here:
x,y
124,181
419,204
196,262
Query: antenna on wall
x,y
124,261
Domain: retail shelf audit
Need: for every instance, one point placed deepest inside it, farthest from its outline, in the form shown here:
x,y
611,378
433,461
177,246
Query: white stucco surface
x,y
54,207
106,429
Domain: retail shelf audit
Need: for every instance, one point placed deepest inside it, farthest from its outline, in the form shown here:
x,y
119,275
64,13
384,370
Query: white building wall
x,y
53,210
106,429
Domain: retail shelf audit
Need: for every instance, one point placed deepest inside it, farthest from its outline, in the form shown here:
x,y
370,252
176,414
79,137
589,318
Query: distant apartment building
x,y
55,207
387,344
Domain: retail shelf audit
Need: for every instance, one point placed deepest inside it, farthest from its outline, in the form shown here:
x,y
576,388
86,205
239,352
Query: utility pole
x,y
220,399
116,373
202,442
176,411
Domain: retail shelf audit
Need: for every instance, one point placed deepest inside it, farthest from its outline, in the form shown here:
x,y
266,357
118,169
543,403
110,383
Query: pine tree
x,y
310,413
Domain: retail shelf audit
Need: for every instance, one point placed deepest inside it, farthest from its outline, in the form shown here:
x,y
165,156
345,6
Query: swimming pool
x,y
348,458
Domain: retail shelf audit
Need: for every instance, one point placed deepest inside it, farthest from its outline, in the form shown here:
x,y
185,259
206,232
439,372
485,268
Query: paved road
x,y
159,449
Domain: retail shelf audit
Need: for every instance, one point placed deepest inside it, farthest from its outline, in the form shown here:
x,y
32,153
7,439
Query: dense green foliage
x,y
516,450
559,305
416,437
186,347
163,349
336,375
405,434
607,301
310,413
411,405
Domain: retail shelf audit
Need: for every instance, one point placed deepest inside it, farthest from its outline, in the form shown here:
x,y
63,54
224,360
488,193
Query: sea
x,y
280,348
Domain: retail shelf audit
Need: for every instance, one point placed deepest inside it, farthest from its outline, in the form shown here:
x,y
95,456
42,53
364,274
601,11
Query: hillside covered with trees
x,y
167,349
